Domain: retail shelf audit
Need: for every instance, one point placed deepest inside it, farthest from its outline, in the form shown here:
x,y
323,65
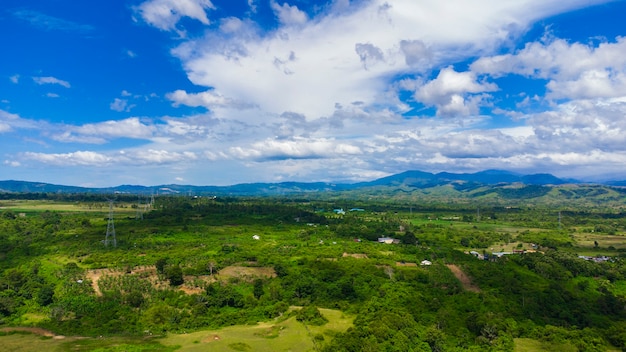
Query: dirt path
x,y
465,280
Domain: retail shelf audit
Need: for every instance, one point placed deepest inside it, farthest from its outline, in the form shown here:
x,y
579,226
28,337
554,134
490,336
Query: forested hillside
x,y
453,277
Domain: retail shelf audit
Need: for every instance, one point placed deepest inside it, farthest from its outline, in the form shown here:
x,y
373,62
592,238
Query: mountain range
x,y
408,179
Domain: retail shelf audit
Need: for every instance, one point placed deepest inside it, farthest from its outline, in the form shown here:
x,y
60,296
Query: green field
x,y
226,274
282,334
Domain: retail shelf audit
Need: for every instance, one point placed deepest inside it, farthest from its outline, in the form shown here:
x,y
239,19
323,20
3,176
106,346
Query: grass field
x,y
28,342
279,335
33,206
286,335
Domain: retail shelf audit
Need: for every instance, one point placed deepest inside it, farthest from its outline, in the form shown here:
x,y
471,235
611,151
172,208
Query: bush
x,y
311,315
175,275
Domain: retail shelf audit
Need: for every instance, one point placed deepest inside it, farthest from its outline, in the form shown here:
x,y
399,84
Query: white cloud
x,y
450,92
103,131
574,70
330,50
51,80
288,15
165,14
298,148
415,52
253,6
15,79
209,99
12,163
10,122
4,115
369,54
121,105
69,159
95,159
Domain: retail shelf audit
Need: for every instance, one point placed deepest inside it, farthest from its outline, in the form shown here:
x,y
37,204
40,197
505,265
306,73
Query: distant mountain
x,y
460,182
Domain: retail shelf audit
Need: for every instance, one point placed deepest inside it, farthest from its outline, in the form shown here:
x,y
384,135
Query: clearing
x,y
461,276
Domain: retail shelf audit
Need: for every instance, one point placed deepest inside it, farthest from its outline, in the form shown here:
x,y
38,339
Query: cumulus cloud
x,y
51,80
15,79
453,93
574,70
348,53
165,14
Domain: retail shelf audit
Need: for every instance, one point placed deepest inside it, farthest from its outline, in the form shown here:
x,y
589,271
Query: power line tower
x,y
110,237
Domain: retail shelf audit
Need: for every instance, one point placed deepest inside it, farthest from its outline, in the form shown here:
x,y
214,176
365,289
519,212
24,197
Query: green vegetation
x,y
234,273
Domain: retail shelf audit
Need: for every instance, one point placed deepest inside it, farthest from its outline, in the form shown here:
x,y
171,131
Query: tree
x,y
257,291
45,296
311,315
160,265
175,275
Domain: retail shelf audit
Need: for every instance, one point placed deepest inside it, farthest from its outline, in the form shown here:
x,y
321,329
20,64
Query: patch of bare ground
x,y
247,273
36,331
466,282
211,338
405,264
192,285
355,255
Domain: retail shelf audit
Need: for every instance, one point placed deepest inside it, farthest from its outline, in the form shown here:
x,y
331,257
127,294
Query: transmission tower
x,y
110,237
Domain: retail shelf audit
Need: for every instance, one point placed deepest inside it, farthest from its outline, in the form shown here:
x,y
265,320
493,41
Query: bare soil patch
x,y
355,255
211,338
465,280
246,272
192,285
405,264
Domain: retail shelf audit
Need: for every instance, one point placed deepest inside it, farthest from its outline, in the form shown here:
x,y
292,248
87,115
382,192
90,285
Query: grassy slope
x,y
287,335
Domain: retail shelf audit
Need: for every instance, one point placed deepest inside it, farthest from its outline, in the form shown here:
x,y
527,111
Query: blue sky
x,y
218,92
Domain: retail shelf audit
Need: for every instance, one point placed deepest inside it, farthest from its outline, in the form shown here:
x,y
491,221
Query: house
x,y
256,237
339,211
426,262
386,240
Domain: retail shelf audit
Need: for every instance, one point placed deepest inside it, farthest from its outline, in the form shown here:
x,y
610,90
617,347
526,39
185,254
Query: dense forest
x,y
453,277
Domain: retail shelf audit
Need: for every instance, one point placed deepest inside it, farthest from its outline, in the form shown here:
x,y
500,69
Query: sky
x,y
219,92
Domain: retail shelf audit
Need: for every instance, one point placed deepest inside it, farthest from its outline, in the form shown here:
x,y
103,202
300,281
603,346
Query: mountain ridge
x,y
411,178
